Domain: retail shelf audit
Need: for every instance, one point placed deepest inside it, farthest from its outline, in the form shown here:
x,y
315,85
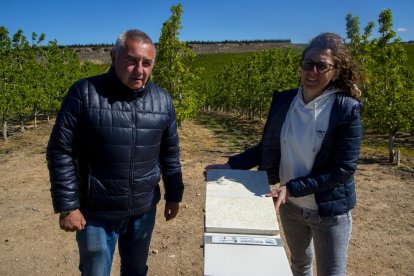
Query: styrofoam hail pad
x,y
236,183
235,203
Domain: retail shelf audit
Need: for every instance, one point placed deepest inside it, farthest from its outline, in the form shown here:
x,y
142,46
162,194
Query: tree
x,y
34,77
5,71
353,33
36,72
173,70
22,57
359,44
388,95
246,86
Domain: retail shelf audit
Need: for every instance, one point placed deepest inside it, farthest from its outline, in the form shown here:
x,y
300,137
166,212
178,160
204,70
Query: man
x,y
114,137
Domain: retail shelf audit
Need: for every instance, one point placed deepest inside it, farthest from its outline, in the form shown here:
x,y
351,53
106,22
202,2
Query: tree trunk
x,y
21,124
5,130
35,119
391,148
398,158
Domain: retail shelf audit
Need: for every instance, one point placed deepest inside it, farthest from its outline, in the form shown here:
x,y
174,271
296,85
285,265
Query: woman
x,y
311,144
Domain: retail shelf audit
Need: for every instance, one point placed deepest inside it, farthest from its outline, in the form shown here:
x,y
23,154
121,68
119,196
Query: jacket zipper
x,y
131,177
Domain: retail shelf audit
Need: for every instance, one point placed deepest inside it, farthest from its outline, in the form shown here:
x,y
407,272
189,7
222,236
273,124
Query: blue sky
x,y
90,22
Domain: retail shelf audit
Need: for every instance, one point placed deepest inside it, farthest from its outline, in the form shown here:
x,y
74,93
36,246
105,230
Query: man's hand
x,y
72,222
279,196
171,210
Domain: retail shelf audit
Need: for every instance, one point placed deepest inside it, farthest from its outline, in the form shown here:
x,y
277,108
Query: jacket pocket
x,y
146,184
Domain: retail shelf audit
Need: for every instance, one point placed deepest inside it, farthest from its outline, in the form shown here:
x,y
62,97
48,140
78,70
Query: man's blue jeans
x,y
98,240
307,235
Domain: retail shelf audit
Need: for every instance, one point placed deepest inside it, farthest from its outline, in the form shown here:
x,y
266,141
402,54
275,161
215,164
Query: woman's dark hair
x,y
348,73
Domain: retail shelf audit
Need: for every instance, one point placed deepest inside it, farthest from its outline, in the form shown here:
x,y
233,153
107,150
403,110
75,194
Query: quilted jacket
x,y
109,147
332,176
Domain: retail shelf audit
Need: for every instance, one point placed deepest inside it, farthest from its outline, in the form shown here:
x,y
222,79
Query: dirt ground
x,y
32,244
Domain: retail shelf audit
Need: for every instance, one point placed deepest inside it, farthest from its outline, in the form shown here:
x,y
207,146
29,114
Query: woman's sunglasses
x,y
321,66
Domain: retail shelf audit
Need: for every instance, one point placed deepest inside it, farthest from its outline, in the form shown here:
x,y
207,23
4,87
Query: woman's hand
x,y
279,195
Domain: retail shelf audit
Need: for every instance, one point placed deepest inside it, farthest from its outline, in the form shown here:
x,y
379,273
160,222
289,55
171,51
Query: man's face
x,y
133,63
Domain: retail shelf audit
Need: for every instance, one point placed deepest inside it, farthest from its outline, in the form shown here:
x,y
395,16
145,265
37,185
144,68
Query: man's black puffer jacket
x,y
110,145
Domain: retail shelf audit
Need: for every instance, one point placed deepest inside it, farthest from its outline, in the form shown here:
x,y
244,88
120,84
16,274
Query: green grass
x,y
409,49
213,63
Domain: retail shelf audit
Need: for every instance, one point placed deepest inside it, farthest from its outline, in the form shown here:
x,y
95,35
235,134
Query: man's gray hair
x,y
135,35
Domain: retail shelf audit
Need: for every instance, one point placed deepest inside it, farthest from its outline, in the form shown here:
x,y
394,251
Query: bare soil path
x,y
32,243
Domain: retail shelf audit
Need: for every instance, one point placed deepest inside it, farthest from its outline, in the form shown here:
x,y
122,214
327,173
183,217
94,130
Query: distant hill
x,y
94,54
234,47
101,54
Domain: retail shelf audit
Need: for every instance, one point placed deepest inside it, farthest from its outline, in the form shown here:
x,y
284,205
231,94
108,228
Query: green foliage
x,y
211,63
409,49
353,32
388,93
280,40
246,85
173,70
34,77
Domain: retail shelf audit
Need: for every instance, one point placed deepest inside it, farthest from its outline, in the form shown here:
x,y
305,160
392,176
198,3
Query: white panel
x,y
236,183
255,215
252,260
235,203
